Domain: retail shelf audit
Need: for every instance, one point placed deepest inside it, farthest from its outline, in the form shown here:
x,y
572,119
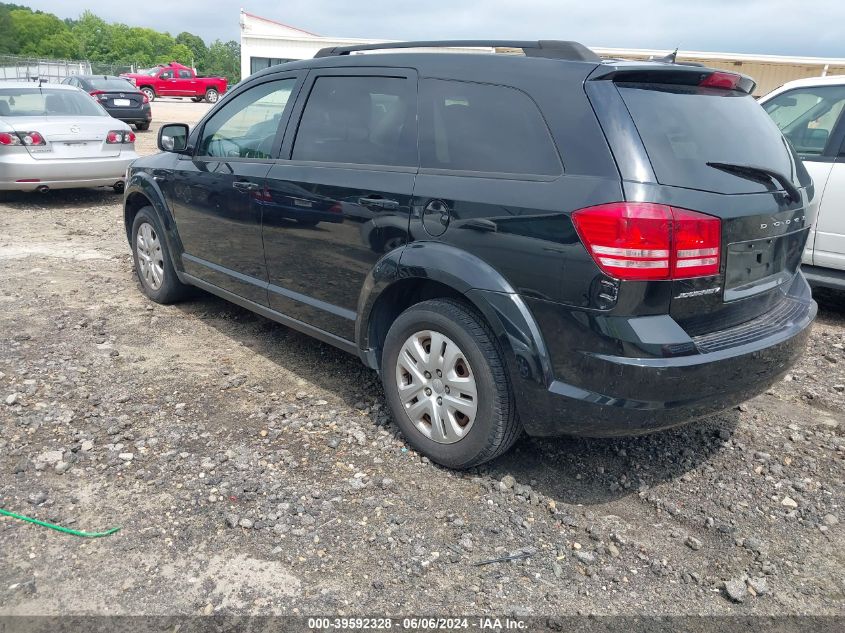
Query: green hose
x,y
59,528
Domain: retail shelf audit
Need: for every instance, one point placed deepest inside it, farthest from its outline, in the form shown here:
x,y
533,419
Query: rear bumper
x,y
63,174
620,395
131,115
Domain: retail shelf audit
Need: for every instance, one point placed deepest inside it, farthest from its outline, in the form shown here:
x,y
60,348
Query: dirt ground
x,y
255,471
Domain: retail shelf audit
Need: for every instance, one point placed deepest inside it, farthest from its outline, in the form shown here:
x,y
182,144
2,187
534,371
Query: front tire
x,y
152,260
211,95
446,384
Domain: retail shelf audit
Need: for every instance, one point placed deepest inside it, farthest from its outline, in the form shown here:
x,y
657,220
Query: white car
x,y
54,136
809,113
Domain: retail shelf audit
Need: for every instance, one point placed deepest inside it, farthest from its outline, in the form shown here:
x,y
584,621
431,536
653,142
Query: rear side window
x,y
362,120
484,128
806,116
685,127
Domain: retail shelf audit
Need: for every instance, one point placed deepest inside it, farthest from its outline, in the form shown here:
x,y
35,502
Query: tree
x,y
224,58
64,45
199,50
32,29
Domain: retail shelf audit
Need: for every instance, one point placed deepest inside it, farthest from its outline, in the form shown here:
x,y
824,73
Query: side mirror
x,y
173,137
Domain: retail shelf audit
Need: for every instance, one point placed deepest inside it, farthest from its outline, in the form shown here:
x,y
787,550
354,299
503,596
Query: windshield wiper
x,y
765,172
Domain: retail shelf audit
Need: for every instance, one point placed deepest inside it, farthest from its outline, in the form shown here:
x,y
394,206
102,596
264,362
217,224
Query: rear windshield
x,y
47,102
685,127
111,85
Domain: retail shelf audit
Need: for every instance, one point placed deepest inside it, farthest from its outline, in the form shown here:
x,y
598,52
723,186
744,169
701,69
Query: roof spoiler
x,y
550,49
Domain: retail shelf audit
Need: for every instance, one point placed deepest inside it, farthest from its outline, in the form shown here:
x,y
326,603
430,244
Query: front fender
x,y
141,182
484,287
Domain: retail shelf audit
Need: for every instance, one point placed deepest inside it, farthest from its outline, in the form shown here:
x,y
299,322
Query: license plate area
x,y
759,265
122,102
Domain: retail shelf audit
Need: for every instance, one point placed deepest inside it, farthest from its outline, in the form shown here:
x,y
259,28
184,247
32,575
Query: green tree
x,y
199,51
177,53
64,45
32,29
224,59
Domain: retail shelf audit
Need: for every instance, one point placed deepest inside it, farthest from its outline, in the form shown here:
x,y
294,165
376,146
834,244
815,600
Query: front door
x,y
829,248
339,200
216,194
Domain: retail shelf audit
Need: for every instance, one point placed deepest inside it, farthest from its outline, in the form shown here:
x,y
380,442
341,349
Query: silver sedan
x,y
57,137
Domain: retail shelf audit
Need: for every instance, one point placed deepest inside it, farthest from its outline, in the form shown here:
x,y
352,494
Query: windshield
x,y
112,84
47,102
685,127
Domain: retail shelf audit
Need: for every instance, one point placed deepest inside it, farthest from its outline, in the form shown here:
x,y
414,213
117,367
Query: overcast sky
x,y
786,27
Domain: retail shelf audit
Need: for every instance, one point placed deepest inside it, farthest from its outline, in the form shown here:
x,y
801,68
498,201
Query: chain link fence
x,y
13,67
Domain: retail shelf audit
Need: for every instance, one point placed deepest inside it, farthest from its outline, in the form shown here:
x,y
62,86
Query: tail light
x,y
120,136
642,240
22,138
144,98
98,94
719,79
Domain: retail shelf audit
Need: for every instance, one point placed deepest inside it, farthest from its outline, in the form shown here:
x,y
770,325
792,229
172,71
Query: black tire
x,y
496,426
171,289
211,95
197,99
150,92
142,127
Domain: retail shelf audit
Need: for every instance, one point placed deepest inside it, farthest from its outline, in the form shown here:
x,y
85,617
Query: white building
x,y
266,42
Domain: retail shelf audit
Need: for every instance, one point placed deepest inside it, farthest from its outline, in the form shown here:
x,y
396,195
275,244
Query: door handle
x,y
379,203
246,186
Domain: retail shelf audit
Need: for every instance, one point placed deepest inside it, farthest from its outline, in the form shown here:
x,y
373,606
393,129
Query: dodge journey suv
x,y
546,242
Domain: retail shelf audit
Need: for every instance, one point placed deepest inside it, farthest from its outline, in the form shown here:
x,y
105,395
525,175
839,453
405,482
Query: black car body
x,y
525,189
118,96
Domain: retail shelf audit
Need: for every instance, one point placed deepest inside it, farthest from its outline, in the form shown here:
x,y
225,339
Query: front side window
x,y
483,128
806,116
167,74
246,126
47,102
361,120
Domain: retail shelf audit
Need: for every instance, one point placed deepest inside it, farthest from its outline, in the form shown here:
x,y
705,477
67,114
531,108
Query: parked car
x,y
54,136
809,113
590,247
119,96
176,80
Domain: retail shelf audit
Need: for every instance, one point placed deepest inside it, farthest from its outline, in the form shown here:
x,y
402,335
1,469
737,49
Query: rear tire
x,y
152,260
211,95
142,127
462,412
151,94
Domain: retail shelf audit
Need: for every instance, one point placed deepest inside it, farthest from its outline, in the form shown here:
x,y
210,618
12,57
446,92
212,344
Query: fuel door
x,y
436,217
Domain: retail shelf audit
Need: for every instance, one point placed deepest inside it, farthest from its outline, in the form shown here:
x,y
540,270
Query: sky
x,y
778,27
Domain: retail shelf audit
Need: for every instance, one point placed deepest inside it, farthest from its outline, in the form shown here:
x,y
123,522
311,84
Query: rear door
x,y
184,83
216,194
339,197
811,118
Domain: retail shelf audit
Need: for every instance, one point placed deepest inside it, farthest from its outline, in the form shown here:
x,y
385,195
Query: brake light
x,y
719,79
120,136
642,240
144,98
22,138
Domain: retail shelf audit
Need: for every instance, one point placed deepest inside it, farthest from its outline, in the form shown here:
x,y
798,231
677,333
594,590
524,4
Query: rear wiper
x,y
753,170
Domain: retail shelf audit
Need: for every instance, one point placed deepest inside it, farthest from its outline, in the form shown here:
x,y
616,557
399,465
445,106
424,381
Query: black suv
x,y
547,241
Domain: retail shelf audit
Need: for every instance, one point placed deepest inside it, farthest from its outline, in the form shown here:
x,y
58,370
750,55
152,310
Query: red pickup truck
x,y
176,80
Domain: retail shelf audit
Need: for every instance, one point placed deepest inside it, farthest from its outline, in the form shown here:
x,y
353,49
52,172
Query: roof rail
x,y
552,49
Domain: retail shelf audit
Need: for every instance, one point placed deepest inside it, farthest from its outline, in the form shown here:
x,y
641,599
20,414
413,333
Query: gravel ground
x,y
255,471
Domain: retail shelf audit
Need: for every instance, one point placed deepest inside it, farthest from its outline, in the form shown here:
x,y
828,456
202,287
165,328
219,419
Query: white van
x,y
809,113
